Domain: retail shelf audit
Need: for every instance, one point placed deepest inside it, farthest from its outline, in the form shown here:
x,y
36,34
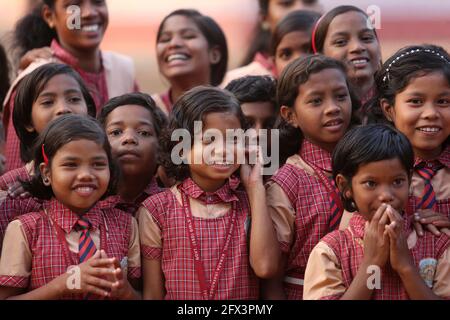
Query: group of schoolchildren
x,y
93,205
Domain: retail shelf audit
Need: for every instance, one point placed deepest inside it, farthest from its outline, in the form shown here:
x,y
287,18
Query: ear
x,y
289,116
214,55
46,174
48,15
388,110
344,186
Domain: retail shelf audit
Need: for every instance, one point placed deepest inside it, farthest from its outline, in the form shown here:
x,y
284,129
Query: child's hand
x,y
33,55
376,239
251,175
16,190
121,288
434,222
400,256
94,274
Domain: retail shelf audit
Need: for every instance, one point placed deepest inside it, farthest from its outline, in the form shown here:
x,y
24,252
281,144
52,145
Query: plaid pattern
x,y
49,260
13,176
237,280
442,205
11,208
118,203
311,201
349,249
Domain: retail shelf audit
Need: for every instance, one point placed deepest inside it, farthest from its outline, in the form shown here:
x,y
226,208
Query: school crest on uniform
x,y
427,269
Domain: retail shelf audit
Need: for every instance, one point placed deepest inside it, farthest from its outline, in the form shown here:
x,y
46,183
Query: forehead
x,y
352,21
432,82
382,169
259,108
81,149
61,82
293,38
221,121
129,113
177,23
327,79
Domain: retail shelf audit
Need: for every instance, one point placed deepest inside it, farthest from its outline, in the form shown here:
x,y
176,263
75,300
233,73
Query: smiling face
x,y
322,109
94,21
61,95
133,140
182,50
375,183
422,112
293,45
351,41
211,176
78,174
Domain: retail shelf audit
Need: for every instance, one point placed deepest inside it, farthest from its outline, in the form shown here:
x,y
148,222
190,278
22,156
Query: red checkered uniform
x,y
237,280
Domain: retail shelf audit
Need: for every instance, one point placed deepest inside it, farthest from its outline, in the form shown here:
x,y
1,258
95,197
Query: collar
x,y
66,219
443,158
315,155
62,54
227,193
152,188
165,97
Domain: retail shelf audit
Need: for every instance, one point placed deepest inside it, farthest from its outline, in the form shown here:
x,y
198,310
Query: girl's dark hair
x,y
321,29
32,31
194,105
299,20
293,76
4,75
59,132
365,144
213,34
159,119
397,72
253,89
28,91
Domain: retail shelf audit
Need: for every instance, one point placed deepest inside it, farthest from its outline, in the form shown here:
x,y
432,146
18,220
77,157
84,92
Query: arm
x,y
153,280
402,262
272,289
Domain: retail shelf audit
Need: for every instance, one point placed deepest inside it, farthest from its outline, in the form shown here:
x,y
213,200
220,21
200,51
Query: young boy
x,y
133,124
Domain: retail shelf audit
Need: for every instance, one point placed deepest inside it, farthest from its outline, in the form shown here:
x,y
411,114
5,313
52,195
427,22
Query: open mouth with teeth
x,y
429,129
177,57
359,62
85,191
91,28
333,123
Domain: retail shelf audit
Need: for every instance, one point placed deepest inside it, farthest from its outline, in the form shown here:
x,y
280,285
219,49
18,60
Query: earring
x,y
46,181
265,26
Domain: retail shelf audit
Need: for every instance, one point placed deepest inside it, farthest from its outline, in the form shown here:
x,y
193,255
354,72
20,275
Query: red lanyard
x,y
208,294
326,181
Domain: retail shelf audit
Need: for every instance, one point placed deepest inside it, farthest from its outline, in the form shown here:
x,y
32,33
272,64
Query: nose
x,y
62,108
332,107
357,46
430,112
176,41
85,173
88,9
129,137
386,195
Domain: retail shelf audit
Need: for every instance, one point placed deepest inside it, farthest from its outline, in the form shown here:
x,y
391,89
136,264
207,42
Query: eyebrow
x,y
141,122
345,33
49,93
316,92
71,158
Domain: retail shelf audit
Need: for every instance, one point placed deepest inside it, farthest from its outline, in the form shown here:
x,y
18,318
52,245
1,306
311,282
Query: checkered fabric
x,y
311,201
348,246
237,280
13,176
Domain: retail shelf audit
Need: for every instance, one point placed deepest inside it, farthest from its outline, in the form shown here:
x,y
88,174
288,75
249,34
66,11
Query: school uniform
x,y
334,262
40,246
164,102
164,233
20,174
440,182
10,208
299,204
117,77
260,66
119,203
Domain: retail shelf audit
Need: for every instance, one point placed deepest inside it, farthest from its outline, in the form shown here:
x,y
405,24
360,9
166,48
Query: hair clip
x,y
44,155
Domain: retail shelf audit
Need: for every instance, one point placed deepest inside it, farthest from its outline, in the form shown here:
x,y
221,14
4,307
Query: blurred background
x,y
133,26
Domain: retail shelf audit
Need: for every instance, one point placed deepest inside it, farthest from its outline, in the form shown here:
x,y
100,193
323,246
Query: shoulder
x,y
252,69
116,59
160,202
13,176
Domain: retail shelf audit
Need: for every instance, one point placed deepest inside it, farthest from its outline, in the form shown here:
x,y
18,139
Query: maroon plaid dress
x,y
237,280
311,201
442,205
350,253
11,208
51,259
13,176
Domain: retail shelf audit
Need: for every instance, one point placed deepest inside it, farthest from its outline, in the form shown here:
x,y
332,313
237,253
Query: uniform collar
x,y
227,193
315,155
444,158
